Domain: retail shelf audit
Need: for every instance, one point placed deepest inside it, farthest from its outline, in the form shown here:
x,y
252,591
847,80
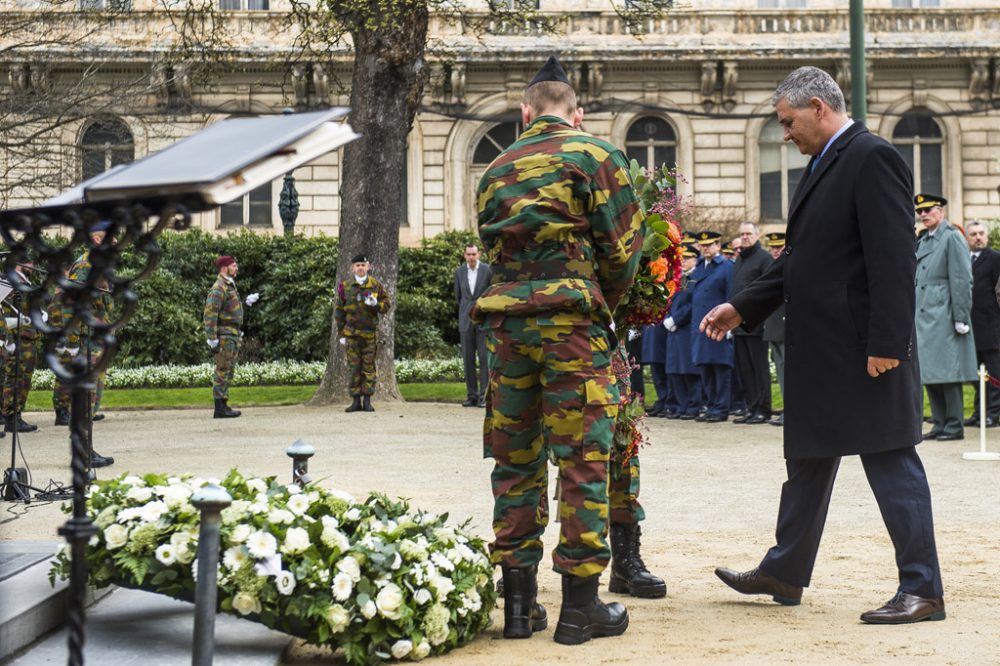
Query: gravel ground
x,y
710,492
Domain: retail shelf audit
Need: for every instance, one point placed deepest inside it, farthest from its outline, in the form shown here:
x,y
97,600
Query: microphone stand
x,y
16,488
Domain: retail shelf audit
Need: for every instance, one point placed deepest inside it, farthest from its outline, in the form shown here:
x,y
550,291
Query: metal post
x,y
859,75
288,200
210,500
982,453
300,453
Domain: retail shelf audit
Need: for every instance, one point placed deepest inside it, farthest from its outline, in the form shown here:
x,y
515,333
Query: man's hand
x,y
720,320
213,344
878,365
371,301
961,328
252,298
342,341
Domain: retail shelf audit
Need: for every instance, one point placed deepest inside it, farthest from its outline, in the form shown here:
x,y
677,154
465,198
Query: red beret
x,y
224,261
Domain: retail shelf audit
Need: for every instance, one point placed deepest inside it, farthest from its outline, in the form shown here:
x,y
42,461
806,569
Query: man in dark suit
x,y
846,278
471,280
985,318
751,350
774,326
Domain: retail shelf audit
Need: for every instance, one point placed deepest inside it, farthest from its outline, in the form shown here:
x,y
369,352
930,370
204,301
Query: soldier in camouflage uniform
x,y
73,343
223,319
360,300
561,225
20,353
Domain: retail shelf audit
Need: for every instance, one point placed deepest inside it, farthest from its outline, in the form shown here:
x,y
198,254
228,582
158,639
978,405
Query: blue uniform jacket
x,y
654,344
679,359
713,285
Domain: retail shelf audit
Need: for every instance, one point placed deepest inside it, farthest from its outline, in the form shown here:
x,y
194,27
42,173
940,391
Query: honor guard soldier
x,y
223,320
713,280
682,373
561,226
20,354
360,301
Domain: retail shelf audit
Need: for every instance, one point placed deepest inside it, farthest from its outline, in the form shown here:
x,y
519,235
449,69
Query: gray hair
x,y
808,82
752,225
978,223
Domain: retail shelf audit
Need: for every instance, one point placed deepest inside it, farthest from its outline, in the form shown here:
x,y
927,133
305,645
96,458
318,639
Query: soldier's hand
x,y
213,344
720,320
342,341
371,301
10,347
252,298
45,316
878,365
72,351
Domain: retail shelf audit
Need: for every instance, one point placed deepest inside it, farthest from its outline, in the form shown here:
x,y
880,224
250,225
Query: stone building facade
x,y
693,89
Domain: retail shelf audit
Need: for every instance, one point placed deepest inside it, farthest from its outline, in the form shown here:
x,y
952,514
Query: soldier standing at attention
x,y
561,226
20,353
223,320
360,300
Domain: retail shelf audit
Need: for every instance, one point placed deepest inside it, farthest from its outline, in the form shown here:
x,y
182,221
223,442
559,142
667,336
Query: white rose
x,y
337,617
285,582
298,504
400,649
296,541
293,489
180,538
186,552
353,515
244,604
421,650
442,585
350,566
240,533
262,545
257,485
166,554
151,512
116,536
342,586
422,596
389,601
330,521
369,609
139,494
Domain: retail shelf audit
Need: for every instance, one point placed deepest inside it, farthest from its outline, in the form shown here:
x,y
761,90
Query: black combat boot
x,y
629,574
222,410
97,460
584,616
355,406
62,417
368,404
522,614
230,412
15,421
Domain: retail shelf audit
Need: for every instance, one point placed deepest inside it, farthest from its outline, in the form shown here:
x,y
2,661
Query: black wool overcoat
x,y
985,309
846,278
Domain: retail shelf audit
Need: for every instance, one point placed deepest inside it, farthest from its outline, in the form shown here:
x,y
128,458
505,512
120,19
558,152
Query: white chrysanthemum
x,y
475,600
334,538
389,601
258,508
285,582
401,648
175,495
368,609
442,585
421,650
330,521
342,586
296,541
115,536
444,536
422,596
353,514
350,566
240,533
298,504
337,617
133,480
166,554
152,511
262,545
280,517
129,514
466,553
293,489
235,557
442,562
139,494
235,512
244,603
257,485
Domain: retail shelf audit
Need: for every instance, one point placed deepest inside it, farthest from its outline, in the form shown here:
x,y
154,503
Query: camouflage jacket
x,y
223,310
100,308
14,305
561,224
353,316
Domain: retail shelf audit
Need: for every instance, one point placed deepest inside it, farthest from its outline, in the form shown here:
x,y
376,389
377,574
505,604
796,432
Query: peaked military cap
x,y
775,239
358,258
728,251
691,250
708,237
550,71
689,237
923,201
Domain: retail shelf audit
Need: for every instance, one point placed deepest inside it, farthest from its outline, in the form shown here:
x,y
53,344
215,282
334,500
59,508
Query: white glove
x,y
669,324
612,325
343,341
10,347
370,300
45,316
961,328
729,335
213,343
633,334
252,298
73,351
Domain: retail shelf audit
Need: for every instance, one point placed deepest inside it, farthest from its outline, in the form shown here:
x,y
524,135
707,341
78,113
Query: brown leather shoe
x,y
756,581
906,608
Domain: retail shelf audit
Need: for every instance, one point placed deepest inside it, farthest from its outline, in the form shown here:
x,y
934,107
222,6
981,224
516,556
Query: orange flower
x,y
673,233
658,269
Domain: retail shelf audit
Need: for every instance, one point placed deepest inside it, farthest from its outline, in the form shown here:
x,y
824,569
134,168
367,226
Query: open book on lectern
x,y
225,160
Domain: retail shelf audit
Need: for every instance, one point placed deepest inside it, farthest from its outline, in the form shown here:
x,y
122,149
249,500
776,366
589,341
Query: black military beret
x,y
358,258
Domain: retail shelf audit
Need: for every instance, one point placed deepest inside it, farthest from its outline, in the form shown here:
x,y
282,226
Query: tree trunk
x,y
386,87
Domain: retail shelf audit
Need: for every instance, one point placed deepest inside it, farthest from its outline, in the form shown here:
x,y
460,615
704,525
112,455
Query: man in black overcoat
x,y
846,279
985,318
751,350
471,280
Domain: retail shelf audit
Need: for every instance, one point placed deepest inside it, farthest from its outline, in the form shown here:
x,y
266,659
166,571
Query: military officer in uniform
x,y
360,300
713,279
682,373
774,326
944,317
561,225
985,318
223,321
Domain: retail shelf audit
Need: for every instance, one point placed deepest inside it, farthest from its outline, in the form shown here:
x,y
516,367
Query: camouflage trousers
x,y
623,490
225,366
551,393
28,356
62,394
361,363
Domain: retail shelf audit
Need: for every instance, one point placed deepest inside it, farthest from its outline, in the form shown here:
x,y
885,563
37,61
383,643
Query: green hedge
x,y
296,277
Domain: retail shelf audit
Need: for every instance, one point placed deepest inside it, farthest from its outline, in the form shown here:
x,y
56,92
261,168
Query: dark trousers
x,y
755,373
904,499
991,359
947,408
717,382
634,350
665,398
687,390
473,348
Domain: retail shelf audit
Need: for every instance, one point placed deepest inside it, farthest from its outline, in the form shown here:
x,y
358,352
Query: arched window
x,y
651,142
919,139
107,142
494,142
781,169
